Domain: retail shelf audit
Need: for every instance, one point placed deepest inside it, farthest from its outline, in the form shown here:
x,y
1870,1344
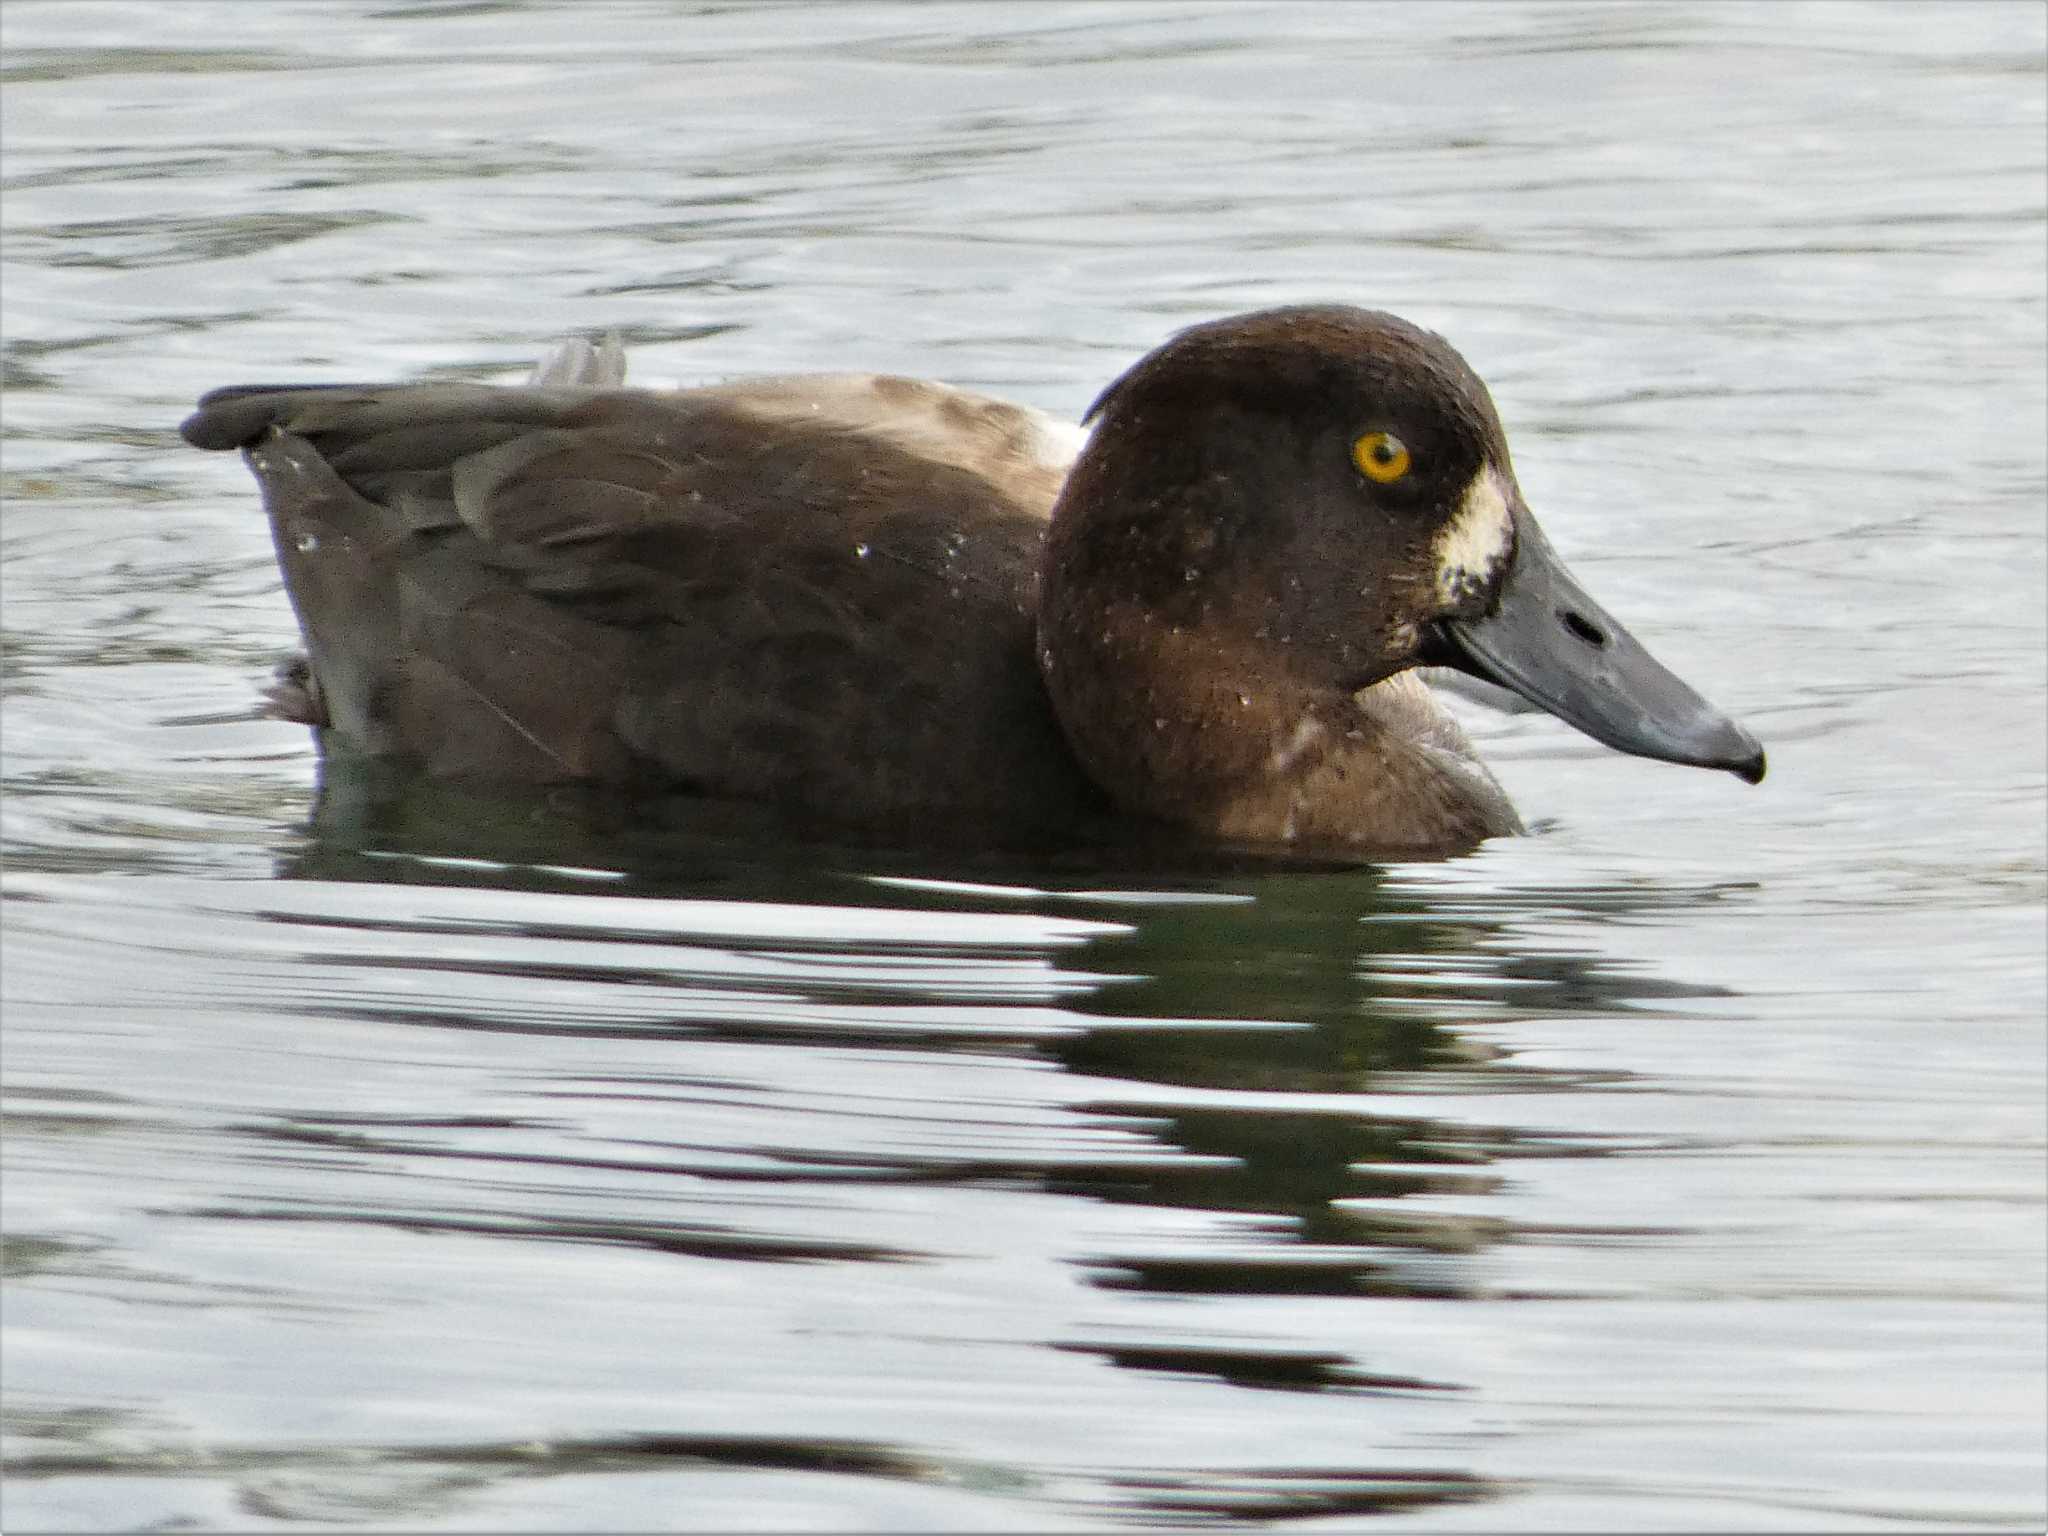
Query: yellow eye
x,y
1380,457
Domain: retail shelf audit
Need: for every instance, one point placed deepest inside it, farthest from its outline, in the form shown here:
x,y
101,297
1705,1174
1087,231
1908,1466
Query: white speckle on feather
x,y
1058,442
1307,732
1291,828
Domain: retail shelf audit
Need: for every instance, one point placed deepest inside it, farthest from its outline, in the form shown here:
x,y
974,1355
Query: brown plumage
x,y
838,592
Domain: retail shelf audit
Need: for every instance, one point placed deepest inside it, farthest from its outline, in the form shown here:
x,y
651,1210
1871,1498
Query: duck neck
x,y
1177,726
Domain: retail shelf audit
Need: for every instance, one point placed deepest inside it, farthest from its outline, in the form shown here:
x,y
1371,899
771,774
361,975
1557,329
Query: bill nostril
x,y
1584,628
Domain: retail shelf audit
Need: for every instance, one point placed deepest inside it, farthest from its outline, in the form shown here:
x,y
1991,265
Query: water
x,y
446,1164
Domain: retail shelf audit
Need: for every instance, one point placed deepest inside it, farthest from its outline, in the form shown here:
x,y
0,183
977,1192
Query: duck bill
x,y
1548,641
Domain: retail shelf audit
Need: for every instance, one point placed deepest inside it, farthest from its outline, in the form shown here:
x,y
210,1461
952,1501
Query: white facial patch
x,y
1478,541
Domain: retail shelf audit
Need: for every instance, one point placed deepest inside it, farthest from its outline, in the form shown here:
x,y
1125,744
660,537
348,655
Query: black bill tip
x,y
1708,739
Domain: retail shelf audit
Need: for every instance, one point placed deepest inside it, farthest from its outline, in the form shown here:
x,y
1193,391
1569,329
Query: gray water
x,y
430,1162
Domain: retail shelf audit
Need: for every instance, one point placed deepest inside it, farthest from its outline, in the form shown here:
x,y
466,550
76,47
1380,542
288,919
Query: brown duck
x,y
891,602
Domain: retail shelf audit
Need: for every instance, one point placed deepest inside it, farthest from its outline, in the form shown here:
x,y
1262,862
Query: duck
x,y
891,602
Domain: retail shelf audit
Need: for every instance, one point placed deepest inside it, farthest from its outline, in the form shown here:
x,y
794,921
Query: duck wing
x,y
819,589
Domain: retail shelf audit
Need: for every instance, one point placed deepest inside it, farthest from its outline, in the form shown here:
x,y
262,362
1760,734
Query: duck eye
x,y
1381,457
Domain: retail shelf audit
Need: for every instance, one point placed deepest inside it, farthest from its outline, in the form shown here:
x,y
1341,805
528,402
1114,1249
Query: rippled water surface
x,y
432,1162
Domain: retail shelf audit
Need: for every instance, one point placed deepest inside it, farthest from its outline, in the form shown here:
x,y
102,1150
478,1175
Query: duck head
x,y
1329,490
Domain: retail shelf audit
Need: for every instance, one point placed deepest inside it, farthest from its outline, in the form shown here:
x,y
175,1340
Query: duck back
x,y
819,591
